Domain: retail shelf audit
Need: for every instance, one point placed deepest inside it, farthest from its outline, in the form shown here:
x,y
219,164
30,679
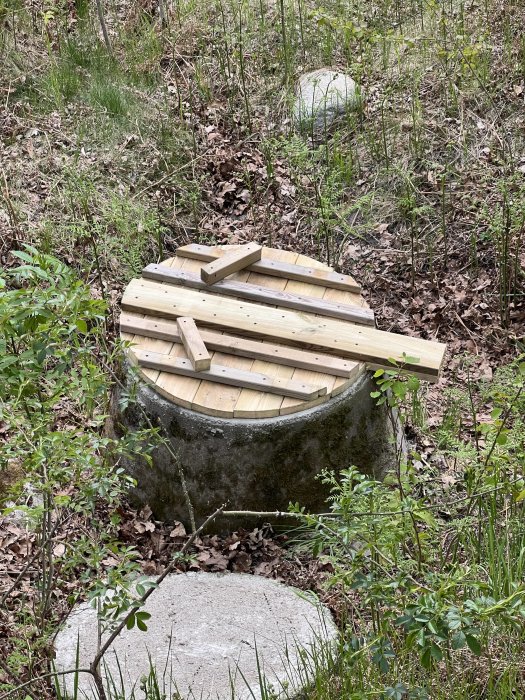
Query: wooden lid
x,y
216,399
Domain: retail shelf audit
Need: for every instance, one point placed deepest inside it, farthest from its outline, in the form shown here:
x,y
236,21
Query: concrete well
x,y
254,450
259,464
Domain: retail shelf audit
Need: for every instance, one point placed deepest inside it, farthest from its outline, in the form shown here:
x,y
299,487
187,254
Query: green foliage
x,y
53,398
433,589
110,97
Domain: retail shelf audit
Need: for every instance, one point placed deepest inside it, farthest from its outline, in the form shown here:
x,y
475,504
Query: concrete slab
x,y
206,636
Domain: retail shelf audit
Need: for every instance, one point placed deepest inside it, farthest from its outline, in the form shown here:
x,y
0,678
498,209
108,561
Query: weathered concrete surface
x,y
259,464
205,633
322,96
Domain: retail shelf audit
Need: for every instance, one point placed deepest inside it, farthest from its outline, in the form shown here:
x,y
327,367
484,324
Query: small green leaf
x,y
142,626
436,652
473,644
425,516
411,360
426,658
81,325
458,641
23,256
502,438
130,622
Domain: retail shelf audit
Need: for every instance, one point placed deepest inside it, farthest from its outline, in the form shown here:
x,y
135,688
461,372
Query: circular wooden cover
x,y
216,399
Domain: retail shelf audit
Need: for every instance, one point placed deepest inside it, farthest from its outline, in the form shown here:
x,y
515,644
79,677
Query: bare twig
x,y
102,20
94,667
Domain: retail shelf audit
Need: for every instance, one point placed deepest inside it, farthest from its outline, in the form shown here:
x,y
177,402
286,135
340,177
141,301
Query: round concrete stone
x,y
206,637
322,96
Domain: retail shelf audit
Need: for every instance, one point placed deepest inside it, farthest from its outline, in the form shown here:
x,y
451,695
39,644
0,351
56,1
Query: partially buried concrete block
x,y
208,637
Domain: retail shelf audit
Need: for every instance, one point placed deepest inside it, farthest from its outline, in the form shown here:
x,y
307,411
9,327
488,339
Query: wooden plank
x,y
345,339
252,404
193,344
228,375
253,292
274,268
180,390
337,295
212,398
232,261
243,347
216,399
158,345
313,375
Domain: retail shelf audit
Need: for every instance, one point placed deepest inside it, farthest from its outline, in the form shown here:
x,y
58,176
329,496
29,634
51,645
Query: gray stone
x,y
261,464
206,635
322,96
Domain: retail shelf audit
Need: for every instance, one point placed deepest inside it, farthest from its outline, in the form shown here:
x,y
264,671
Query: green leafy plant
x,y
53,395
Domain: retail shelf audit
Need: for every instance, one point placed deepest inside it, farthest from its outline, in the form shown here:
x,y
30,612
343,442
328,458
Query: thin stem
x,y
109,641
102,20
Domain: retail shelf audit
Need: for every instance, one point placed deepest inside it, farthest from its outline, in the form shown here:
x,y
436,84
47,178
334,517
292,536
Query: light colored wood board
x,y
229,375
206,397
219,399
341,384
345,339
180,390
251,403
257,404
263,295
213,394
232,261
324,278
248,399
214,399
340,297
346,297
243,347
272,282
193,344
290,405
156,345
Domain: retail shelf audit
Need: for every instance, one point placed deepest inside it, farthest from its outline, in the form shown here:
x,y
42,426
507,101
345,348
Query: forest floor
x,y
183,134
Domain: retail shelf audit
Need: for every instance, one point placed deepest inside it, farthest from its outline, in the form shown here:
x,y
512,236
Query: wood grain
x,y
151,327
253,292
232,261
193,344
322,277
229,375
372,346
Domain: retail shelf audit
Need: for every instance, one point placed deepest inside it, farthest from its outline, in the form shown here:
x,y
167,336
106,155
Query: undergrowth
x,y
179,129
